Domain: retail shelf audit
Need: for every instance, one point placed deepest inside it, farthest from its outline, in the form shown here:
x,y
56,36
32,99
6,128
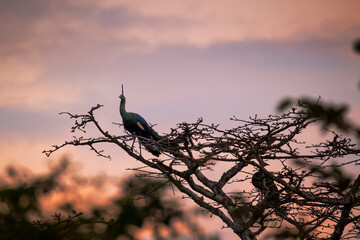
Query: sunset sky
x,y
178,60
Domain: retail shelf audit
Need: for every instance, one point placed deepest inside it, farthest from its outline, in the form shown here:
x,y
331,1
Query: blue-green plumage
x,y
135,124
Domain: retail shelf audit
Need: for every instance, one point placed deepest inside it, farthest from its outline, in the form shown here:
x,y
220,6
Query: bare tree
x,y
315,198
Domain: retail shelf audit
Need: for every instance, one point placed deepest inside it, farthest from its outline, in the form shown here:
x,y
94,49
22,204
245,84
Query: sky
x,y
178,60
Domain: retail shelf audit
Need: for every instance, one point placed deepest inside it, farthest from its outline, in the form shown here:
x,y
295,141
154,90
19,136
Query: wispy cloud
x,y
77,24
202,23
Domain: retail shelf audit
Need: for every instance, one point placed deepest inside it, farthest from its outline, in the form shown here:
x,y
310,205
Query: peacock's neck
x,y
122,107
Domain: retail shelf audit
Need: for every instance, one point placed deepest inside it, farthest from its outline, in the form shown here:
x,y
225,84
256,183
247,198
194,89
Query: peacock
x,y
137,125
266,186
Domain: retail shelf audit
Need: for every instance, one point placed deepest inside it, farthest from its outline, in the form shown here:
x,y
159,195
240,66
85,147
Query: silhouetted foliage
x,y
19,205
328,114
357,46
143,201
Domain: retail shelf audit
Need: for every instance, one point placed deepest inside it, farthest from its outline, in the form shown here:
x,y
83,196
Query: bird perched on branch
x,y
137,125
266,186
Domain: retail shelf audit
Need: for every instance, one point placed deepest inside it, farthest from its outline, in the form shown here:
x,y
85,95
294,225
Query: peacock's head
x,y
122,97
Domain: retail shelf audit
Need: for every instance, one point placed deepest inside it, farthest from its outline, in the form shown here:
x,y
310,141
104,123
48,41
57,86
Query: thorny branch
x,y
315,192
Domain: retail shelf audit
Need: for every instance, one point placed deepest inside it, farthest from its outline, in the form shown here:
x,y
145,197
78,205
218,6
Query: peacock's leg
x,y
132,145
139,147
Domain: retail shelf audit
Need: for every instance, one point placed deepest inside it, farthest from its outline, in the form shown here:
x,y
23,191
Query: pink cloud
x,y
202,23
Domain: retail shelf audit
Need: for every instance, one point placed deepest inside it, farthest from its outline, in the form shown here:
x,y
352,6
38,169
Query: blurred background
x,y
178,61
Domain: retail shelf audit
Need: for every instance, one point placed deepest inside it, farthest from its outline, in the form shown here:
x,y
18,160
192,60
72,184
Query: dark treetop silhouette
x,y
317,199
137,125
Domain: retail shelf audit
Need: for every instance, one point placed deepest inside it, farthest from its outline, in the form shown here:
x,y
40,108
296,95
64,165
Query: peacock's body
x,y
137,125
